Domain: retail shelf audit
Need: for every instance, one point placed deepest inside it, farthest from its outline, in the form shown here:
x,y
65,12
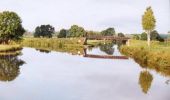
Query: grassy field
x,y
70,45
156,57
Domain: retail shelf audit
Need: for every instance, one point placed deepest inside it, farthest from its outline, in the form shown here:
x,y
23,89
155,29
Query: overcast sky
x,y
123,15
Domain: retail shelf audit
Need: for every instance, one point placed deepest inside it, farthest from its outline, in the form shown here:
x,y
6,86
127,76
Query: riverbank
x,y
156,57
11,49
70,45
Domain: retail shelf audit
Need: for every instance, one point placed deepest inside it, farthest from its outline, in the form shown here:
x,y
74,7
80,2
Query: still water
x,y
36,75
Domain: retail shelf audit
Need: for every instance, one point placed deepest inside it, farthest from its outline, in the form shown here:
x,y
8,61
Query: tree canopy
x,y
63,33
44,31
121,35
76,31
108,32
154,35
10,27
148,22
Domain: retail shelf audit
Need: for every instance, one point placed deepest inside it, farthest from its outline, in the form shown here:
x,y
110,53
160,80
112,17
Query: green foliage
x,y
76,31
108,32
136,37
63,33
92,33
44,31
154,35
148,20
10,27
145,81
156,57
121,35
70,45
144,36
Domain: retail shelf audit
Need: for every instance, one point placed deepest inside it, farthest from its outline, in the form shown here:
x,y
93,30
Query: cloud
x,y
124,15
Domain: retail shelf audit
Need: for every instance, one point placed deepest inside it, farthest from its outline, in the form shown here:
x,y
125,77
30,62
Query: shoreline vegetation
x,y
71,45
10,49
155,57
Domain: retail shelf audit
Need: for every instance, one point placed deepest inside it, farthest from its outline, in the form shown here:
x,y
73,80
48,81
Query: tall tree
x,y
44,31
148,22
10,27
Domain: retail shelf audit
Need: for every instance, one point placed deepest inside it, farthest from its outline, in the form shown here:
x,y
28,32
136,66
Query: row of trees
x,y
74,31
154,35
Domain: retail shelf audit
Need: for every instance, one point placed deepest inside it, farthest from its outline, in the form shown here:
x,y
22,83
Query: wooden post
x,y
85,41
128,42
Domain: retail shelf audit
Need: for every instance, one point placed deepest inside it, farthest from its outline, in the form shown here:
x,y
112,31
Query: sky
x,y
97,15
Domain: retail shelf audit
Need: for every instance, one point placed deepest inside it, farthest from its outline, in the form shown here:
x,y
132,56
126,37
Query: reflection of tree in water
x,y
9,67
107,48
145,81
43,51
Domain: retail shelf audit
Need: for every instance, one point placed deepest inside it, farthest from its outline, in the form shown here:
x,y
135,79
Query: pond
x,y
51,75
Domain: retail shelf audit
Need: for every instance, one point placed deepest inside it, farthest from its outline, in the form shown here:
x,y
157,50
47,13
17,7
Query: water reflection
x,y
107,48
145,80
43,51
9,67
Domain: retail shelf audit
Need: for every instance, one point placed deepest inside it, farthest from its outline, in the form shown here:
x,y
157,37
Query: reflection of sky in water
x,y
58,76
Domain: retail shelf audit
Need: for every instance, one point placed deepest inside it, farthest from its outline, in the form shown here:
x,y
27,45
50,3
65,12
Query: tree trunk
x,y
149,38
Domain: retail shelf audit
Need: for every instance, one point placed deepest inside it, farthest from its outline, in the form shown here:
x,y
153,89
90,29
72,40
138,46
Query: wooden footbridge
x,y
100,37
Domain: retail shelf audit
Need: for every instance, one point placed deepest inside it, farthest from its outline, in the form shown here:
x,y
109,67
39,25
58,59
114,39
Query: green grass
x,y
156,57
9,48
70,45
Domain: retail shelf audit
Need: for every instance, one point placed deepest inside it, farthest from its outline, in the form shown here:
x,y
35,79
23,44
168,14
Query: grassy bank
x,y
70,45
157,57
10,49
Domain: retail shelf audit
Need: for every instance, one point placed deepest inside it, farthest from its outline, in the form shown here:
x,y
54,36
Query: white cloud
x,y
124,15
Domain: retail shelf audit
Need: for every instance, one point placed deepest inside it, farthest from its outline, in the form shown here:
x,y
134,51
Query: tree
x,y
136,37
154,35
44,31
108,32
76,31
148,22
10,27
63,33
121,35
89,33
144,36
